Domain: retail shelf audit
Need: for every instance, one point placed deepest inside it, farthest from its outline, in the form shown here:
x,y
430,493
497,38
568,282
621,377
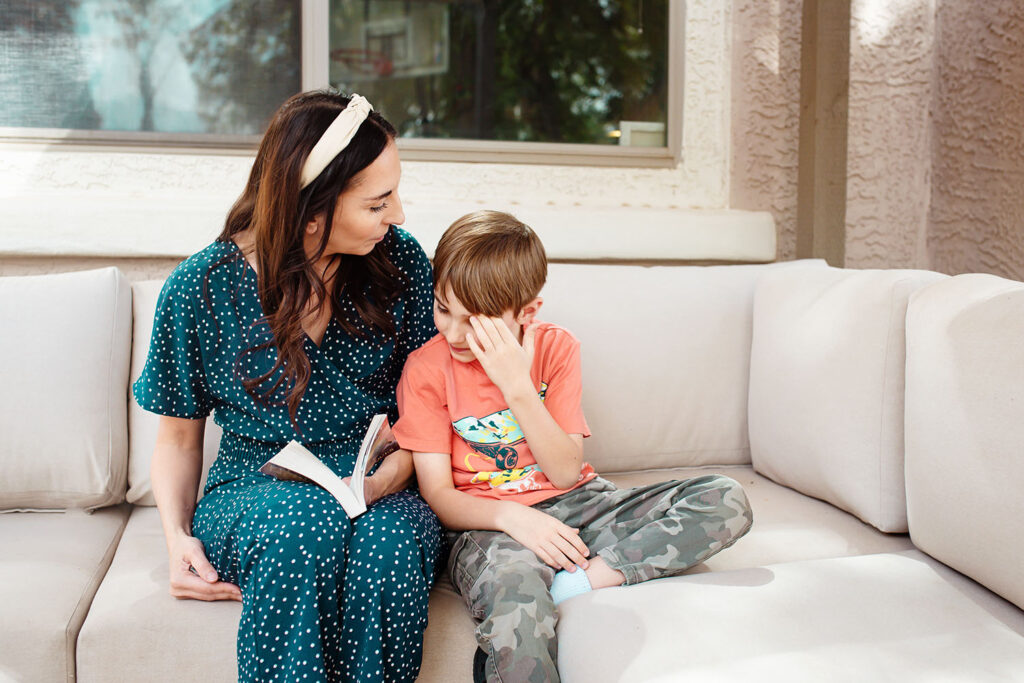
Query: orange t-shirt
x,y
446,406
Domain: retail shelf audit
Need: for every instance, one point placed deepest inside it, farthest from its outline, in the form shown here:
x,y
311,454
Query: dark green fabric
x,y
324,598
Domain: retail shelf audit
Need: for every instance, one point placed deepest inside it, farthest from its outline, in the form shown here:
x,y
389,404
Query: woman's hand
x,y
374,488
192,575
556,544
392,476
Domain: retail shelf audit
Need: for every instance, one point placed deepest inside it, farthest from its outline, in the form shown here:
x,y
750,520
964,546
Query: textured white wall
x,y
766,112
977,216
888,143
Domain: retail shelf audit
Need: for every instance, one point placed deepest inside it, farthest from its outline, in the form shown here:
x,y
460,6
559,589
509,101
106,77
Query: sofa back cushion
x,y
64,363
142,424
965,428
826,386
666,358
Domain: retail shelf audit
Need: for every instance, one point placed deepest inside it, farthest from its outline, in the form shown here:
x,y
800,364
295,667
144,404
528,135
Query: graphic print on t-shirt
x,y
493,439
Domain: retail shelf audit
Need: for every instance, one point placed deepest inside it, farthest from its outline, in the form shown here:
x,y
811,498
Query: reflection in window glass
x,y
196,66
583,71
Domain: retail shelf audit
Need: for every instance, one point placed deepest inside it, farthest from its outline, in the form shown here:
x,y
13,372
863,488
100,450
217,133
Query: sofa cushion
x,y
142,424
64,362
788,526
50,568
666,358
826,386
893,617
136,631
965,428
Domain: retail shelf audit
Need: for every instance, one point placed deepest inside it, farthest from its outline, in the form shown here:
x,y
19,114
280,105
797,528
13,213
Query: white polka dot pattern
x,y
325,598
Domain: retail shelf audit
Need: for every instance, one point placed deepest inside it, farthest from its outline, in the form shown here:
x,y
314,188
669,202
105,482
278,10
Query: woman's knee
x,y
394,539
300,522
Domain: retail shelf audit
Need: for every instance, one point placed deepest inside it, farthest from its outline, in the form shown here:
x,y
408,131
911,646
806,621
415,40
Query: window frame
x,y
314,50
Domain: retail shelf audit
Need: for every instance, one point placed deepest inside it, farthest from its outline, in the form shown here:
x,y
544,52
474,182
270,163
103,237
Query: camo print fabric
x,y
645,532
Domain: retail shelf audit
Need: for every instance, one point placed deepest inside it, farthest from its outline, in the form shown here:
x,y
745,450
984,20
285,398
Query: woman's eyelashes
x,y
378,209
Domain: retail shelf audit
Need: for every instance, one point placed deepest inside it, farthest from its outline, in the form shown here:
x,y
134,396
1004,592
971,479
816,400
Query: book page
x,y
296,459
377,445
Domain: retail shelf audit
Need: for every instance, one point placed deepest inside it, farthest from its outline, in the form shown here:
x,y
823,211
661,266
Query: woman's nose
x,y
397,215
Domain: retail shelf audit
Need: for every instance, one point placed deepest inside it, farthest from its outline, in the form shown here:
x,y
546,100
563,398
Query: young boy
x,y
490,408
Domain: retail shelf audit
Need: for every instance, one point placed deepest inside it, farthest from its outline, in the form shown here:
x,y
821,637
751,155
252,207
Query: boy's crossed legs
x,y
645,532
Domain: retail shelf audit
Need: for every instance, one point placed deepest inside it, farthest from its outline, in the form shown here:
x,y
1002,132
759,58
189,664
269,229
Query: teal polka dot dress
x,y
324,598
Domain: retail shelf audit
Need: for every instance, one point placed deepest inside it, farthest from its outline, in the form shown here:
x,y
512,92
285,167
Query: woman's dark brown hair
x,y
277,211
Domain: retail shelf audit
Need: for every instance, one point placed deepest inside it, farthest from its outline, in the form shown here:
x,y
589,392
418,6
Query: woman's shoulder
x,y
191,276
406,251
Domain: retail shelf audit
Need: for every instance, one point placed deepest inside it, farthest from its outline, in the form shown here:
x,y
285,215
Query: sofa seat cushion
x,y
826,386
890,616
449,643
787,526
136,631
50,568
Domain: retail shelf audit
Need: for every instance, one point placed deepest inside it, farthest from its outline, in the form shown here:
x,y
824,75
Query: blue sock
x,y
566,585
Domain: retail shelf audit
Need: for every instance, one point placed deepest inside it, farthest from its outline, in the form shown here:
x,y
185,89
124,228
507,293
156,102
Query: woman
x,y
295,324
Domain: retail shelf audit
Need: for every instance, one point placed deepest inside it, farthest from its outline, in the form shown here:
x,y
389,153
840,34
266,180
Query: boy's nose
x,y
457,334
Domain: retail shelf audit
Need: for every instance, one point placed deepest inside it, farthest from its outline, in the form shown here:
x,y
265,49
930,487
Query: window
x,y
153,66
513,80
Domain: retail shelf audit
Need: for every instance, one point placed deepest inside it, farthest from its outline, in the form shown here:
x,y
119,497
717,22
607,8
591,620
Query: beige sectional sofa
x,y
876,419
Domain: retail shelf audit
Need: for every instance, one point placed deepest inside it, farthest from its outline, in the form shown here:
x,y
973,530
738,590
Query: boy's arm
x,y
507,363
555,543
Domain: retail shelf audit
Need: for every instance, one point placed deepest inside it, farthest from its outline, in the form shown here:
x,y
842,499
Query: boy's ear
x,y
528,312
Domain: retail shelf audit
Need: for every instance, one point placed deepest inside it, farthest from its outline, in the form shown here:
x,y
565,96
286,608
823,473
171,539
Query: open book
x,y
295,462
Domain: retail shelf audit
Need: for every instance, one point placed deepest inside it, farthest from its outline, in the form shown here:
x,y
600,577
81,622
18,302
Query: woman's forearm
x,y
175,470
394,473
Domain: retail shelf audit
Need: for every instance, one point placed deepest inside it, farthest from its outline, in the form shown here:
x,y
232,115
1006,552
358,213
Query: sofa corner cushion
x,y
64,356
965,428
891,616
50,568
826,386
142,425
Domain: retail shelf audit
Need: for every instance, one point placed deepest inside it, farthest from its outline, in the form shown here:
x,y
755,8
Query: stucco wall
x,y
766,112
977,216
888,142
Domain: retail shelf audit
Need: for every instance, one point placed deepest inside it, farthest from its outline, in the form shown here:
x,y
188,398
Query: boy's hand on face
x,y
506,361
557,544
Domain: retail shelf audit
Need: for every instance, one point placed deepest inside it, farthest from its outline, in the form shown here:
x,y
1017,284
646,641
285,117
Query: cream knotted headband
x,y
335,138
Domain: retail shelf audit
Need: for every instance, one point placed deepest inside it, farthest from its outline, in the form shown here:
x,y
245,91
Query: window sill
x,y
80,224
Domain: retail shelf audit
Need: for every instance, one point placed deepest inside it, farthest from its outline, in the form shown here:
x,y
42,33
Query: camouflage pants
x,y
645,532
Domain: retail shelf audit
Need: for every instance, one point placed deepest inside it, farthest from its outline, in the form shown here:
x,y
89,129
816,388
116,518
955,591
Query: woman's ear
x,y
528,312
313,227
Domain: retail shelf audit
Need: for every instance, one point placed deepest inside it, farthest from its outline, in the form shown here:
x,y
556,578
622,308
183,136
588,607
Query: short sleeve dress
x,y
325,598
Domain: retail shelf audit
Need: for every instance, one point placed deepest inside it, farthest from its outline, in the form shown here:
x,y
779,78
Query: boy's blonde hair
x,y
493,262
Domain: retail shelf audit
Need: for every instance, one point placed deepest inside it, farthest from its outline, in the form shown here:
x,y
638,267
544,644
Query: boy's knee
x,y
733,507
514,583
